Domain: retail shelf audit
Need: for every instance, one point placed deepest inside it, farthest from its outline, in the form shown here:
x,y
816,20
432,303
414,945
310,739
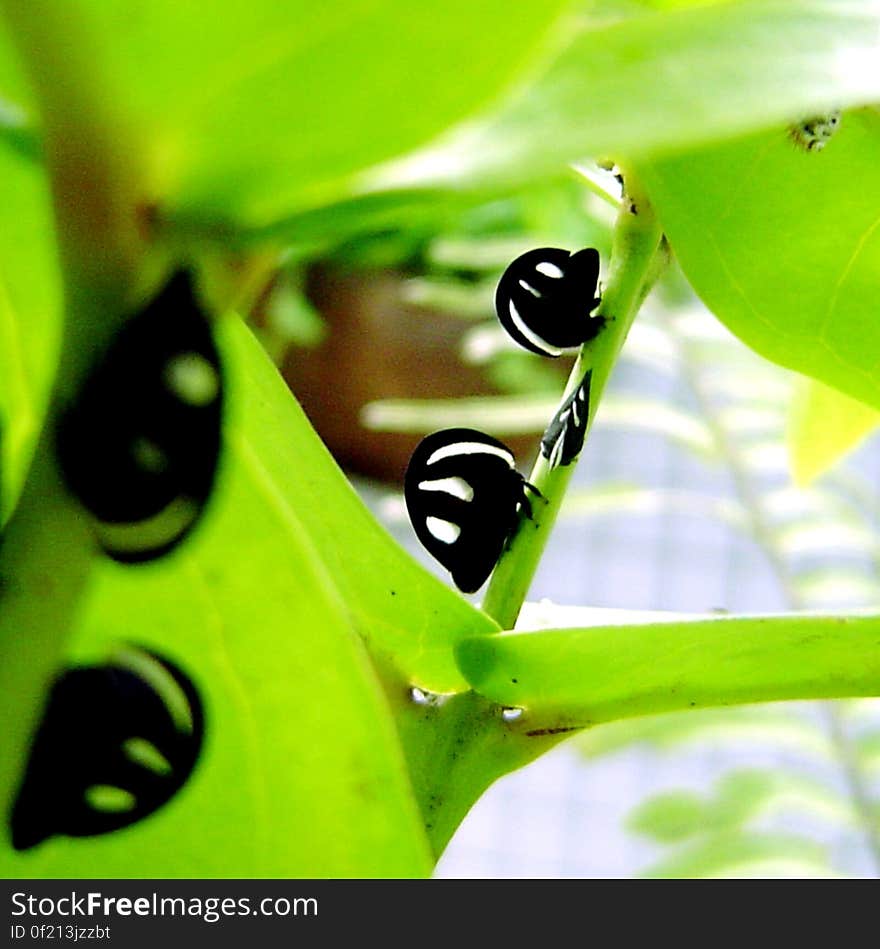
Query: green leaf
x,y
747,856
739,796
783,245
669,817
266,107
289,607
407,617
661,82
269,607
824,425
455,746
571,678
744,794
30,316
302,772
747,726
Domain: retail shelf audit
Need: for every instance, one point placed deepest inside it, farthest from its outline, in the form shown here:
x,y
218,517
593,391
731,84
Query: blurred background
x,y
683,501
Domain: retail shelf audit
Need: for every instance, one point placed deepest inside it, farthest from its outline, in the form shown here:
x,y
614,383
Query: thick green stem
x,y
97,164
454,752
636,241
572,678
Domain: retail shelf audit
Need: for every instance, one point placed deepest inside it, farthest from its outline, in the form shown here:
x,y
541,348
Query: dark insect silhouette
x,y
545,297
140,445
564,438
464,497
116,742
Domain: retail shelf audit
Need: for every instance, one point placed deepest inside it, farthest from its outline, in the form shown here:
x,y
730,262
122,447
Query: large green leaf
x,y
303,773
662,82
288,608
758,856
669,817
455,746
409,619
261,106
252,117
783,245
571,678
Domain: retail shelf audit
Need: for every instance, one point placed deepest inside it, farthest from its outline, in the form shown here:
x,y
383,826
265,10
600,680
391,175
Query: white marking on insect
x,y
444,531
161,527
530,288
533,338
192,379
574,412
470,448
457,487
549,270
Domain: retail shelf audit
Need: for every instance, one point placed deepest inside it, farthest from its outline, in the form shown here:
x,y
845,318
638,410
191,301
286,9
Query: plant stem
x,y
98,164
572,678
634,249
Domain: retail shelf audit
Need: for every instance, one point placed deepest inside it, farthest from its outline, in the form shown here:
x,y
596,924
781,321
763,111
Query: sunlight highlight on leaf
x,y
824,426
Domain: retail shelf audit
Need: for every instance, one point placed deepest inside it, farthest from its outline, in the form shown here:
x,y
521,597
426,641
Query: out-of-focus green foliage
x,y
815,814
30,315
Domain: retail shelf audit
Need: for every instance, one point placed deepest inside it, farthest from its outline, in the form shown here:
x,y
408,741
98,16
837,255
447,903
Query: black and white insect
x,y
140,445
814,133
564,438
116,742
545,297
465,497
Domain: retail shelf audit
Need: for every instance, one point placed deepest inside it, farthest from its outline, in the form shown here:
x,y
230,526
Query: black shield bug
x,y
116,742
545,297
564,438
140,445
464,498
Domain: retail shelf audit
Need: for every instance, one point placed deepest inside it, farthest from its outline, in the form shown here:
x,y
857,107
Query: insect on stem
x,y
633,269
